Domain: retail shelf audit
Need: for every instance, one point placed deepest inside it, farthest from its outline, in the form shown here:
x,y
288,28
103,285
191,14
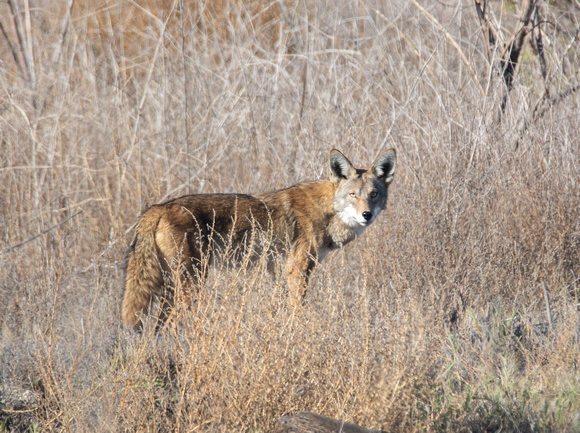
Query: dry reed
x,y
435,320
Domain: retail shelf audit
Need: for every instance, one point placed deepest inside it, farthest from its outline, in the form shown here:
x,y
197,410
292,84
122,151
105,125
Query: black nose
x,y
367,215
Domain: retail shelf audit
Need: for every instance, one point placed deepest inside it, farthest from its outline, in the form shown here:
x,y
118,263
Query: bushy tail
x,y
143,273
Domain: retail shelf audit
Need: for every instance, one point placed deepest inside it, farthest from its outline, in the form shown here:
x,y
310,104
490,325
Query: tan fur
x,y
305,221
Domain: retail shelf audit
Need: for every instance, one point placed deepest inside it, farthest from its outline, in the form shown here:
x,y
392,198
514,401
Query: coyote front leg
x,y
300,265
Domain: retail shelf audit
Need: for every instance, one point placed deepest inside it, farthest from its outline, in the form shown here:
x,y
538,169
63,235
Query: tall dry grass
x,y
436,320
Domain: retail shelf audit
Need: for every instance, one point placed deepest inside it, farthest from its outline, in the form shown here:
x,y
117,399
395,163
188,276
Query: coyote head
x,y
360,194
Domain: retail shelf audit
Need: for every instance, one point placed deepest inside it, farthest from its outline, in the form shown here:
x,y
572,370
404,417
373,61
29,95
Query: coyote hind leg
x,y
187,271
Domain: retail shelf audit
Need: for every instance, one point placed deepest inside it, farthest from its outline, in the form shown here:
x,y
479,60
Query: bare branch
x,y
539,114
511,55
512,51
493,36
7,250
539,44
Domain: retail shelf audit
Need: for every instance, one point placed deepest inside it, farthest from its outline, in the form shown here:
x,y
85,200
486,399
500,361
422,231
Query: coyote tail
x,y
143,273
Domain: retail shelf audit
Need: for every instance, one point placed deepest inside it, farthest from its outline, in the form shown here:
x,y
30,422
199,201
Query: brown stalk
x,y
17,26
12,50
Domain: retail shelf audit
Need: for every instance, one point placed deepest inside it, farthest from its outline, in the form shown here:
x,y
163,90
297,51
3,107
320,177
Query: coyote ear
x,y
384,166
340,167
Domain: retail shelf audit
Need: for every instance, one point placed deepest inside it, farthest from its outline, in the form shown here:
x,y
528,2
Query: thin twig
x,y
569,91
111,245
574,39
304,79
539,114
135,131
453,42
7,250
30,53
185,95
401,35
58,52
63,32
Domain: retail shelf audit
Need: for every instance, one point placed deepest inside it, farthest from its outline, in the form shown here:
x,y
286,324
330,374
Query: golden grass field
x,y
436,320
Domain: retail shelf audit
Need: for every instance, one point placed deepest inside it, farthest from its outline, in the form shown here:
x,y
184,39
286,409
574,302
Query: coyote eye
x,y
374,194
352,194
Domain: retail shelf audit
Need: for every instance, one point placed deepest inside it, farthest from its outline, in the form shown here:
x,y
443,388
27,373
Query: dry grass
x,y
434,321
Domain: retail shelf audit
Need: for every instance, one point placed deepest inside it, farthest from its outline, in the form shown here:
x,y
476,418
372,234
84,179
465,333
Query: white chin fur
x,y
357,222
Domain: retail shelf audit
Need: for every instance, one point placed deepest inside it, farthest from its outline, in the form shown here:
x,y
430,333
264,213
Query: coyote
x,y
305,222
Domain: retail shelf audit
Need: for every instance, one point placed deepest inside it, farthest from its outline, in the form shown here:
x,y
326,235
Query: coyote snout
x,y
305,222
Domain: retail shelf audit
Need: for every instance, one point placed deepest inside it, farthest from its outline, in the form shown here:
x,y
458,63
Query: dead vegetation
x,y
436,320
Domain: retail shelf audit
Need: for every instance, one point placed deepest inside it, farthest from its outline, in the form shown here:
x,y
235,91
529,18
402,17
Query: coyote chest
x,y
304,222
